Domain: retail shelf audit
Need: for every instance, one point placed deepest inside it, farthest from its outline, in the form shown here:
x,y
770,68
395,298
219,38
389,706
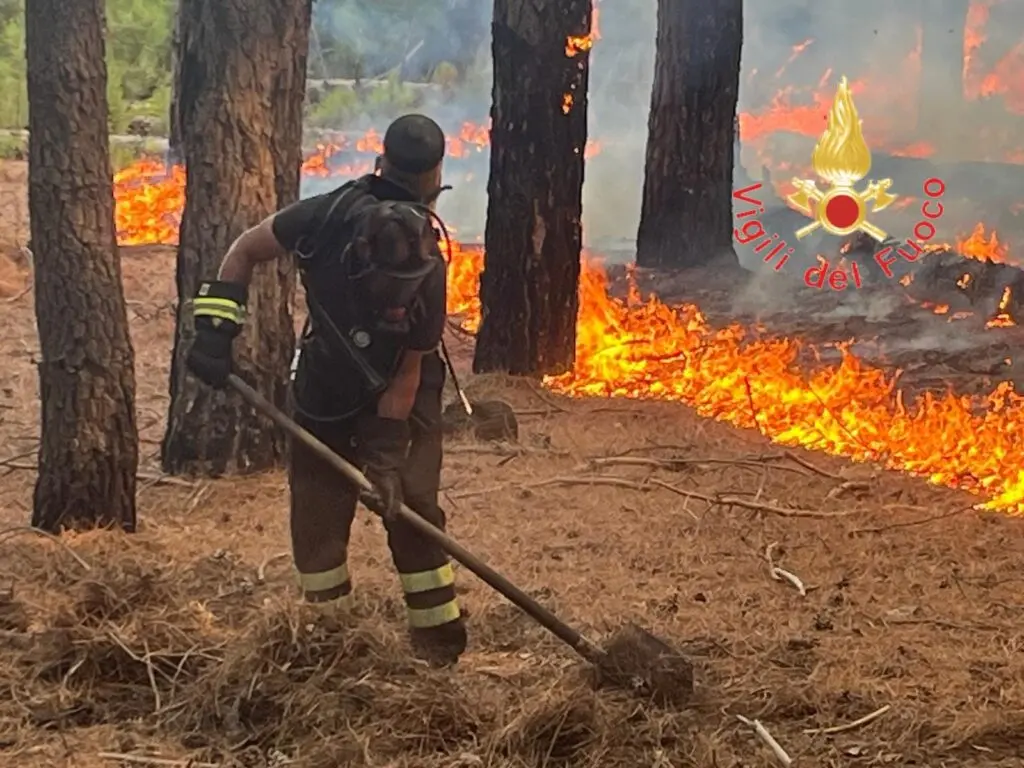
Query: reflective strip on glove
x,y
218,309
425,581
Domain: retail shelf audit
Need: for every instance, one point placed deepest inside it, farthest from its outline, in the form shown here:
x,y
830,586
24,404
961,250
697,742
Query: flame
x,y
577,44
981,248
150,196
841,156
1003,318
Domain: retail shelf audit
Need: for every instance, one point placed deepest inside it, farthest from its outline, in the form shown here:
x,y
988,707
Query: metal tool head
x,y
644,665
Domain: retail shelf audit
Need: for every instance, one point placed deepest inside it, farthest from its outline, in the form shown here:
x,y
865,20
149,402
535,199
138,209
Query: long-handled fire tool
x,y
633,658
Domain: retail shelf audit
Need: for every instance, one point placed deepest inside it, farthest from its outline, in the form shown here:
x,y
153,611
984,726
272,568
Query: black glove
x,y
219,312
383,446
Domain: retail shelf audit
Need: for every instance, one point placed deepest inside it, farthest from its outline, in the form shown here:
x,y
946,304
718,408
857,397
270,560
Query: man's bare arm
x,y
254,246
400,396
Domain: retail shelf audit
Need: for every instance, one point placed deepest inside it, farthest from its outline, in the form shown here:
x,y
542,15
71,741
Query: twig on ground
x,y
850,726
152,760
147,660
20,294
545,398
808,465
150,478
679,464
735,501
261,572
853,486
618,482
10,460
910,523
780,574
768,739
501,449
9,533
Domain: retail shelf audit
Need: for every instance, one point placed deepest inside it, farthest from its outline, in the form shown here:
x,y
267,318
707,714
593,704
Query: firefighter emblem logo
x,y
841,159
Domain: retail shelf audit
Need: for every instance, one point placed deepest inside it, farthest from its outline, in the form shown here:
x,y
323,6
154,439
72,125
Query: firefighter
x,y
368,377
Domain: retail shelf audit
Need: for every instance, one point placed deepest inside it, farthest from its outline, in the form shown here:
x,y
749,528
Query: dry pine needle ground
x,y
186,640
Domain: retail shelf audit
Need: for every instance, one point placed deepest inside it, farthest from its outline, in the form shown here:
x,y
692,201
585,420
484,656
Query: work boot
x,y
439,646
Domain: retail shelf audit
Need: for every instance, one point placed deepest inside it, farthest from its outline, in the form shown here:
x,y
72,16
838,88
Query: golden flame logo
x,y
841,158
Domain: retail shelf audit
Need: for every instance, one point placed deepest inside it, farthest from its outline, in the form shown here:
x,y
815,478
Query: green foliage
x,y
336,106
14,104
357,39
13,147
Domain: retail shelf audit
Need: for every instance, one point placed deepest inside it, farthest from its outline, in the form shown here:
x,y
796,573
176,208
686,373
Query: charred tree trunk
x,y
89,449
233,103
941,90
686,213
533,236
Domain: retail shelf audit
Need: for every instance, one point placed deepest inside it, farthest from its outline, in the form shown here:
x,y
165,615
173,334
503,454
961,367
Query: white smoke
x,y
875,44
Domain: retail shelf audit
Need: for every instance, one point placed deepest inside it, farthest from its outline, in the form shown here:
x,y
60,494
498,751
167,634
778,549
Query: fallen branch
x,y
780,574
675,465
152,760
808,465
852,486
872,716
149,477
647,485
10,533
617,482
768,739
735,501
911,523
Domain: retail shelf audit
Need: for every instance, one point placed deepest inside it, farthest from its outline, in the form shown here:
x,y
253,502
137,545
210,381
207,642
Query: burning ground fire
x,y
648,350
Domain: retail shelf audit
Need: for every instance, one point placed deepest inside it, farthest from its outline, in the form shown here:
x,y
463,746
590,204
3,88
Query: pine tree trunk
x,y
290,92
533,235
686,213
89,449
237,114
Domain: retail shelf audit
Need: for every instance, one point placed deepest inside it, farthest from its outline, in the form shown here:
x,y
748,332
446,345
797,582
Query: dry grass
x,y
186,640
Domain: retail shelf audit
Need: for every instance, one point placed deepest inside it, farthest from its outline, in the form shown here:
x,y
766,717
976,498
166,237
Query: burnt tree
x,y
240,95
533,235
89,449
686,213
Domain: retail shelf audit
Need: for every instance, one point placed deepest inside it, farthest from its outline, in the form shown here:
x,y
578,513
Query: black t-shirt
x,y
315,227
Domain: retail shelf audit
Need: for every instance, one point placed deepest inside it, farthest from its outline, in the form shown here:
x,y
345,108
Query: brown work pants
x,y
323,505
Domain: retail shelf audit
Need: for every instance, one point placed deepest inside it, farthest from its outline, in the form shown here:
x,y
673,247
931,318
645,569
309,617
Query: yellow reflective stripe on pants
x,y
324,580
203,306
423,618
424,581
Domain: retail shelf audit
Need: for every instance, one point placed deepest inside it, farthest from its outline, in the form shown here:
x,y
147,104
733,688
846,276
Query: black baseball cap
x,y
414,144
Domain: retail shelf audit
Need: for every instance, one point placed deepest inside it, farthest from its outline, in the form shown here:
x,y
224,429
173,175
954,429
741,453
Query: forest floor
x,y
186,640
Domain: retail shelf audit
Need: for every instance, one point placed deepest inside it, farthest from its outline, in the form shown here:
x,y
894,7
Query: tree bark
x,y
89,450
289,86
239,109
529,285
686,213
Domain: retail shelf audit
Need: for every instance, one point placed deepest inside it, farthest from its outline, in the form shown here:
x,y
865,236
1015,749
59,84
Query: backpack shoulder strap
x,y
353,198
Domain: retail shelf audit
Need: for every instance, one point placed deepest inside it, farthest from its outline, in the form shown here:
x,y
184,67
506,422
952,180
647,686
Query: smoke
x,y
877,46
